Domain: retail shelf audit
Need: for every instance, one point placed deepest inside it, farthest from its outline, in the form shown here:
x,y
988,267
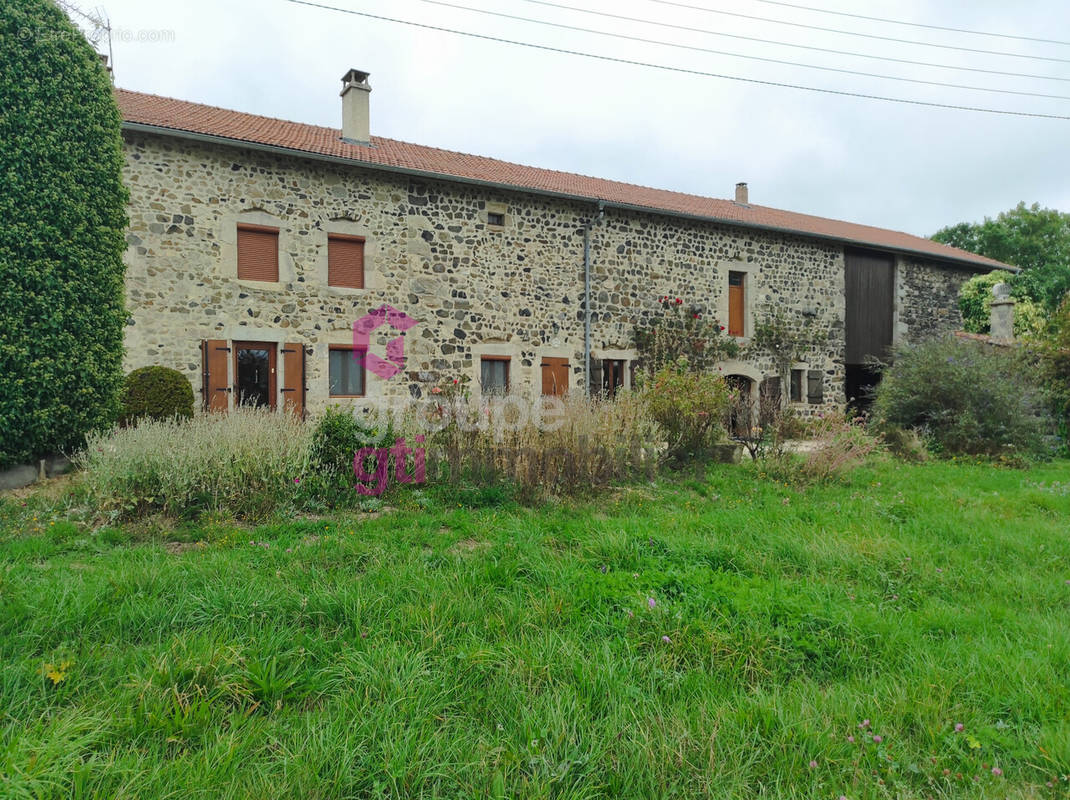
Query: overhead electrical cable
x,y
797,46
708,10
515,17
914,24
668,68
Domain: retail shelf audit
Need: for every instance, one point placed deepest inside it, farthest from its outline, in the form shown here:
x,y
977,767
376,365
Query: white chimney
x,y
741,193
356,118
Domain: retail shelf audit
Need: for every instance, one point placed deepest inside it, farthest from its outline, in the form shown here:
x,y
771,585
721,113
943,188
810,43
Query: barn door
x,y
870,286
293,375
215,388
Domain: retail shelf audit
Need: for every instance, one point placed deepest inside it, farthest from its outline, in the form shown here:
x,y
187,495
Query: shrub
x,y
689,409
246,463
156,393
965,398
63,208
681,330
840,444
1053,357
338,436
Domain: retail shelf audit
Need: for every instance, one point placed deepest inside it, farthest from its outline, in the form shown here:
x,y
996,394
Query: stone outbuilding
x,y
255,244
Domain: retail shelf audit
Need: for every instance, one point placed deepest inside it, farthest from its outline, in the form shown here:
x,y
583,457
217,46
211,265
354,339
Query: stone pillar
x,y
1001,321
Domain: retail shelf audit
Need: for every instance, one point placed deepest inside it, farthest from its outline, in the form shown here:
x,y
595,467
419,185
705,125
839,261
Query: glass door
x,y
254,374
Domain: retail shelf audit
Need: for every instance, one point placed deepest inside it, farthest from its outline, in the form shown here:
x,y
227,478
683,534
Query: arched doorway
x,y
741,413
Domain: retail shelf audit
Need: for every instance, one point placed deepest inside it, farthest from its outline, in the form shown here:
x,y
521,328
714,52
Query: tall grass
x,y
246,463
589,444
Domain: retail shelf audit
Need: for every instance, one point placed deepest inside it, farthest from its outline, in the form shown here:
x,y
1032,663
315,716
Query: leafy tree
x,y
975,303
1030,237
62,218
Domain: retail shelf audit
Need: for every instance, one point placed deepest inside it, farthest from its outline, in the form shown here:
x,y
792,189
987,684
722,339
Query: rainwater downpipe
x,y
587,293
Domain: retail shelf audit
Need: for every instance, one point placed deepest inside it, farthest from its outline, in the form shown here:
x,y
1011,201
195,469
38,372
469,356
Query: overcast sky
x,y
888,164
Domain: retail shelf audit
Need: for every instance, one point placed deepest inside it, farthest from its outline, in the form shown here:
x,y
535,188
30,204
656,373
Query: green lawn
x,y
722,638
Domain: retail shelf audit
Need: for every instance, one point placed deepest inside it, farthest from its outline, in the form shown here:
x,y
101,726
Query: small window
x,y
797,378
736,289
258,253
495,218
612,376
345,261
346,372
494,375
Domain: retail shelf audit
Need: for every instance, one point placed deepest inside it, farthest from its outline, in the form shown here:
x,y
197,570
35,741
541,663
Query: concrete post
x,y
1001,321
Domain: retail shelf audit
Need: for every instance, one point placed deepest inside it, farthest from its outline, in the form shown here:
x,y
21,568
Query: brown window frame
x,y
253,228
344,237
363,370
508,371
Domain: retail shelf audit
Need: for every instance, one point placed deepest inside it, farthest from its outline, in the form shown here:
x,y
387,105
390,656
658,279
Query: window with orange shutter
x,y
258,253
345,261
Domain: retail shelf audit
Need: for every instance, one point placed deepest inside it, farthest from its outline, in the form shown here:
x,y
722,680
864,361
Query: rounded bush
x,y
156,393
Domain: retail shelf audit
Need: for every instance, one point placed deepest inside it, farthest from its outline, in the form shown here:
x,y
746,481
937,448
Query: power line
x,y
666,68
913,24
445,4
855,33
814,48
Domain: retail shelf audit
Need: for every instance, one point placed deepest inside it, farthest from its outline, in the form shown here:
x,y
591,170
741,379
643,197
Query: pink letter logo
x,y
395,348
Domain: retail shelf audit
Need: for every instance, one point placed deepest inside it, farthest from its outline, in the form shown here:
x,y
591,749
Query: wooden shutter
x,y
735,303
815,386
345,261
293,373
215,391
258,253
554,376
595,389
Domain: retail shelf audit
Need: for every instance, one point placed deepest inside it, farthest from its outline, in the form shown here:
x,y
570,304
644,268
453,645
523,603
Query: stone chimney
x,y
1001,321
356,118
741,194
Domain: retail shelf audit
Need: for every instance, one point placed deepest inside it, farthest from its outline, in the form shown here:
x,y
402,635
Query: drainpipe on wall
x,y
587,294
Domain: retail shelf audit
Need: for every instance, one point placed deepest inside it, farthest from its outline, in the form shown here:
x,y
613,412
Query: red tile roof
x,y
240,128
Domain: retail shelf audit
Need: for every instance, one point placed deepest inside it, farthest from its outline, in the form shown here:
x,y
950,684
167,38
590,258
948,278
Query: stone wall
x,y
476,290
927,303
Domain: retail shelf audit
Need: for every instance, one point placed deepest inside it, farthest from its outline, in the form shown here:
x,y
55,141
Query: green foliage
x,y
688,407
1033,238
62,218
338,436
784,338
1053,357
975,303
965,398
156,393
506,652
682,330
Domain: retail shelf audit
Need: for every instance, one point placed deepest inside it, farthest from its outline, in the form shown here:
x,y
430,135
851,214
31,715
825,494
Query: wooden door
x,y
254,374
870,286
555,373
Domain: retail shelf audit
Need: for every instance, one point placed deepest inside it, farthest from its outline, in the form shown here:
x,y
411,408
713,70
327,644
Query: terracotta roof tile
x,y
180,115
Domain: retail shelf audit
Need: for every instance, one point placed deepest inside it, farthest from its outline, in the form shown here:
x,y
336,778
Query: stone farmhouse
x,y
256,243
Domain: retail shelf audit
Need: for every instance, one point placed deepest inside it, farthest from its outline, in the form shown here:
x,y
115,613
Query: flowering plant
x,y
678,330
